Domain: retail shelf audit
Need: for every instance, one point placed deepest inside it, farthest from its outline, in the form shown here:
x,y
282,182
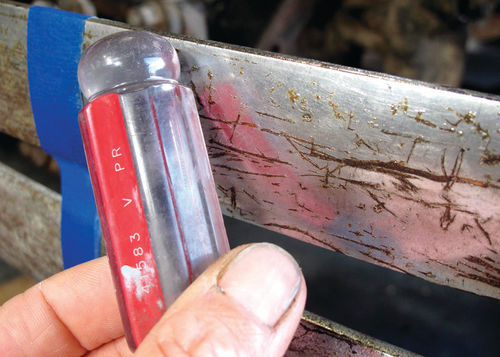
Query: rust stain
x,y
418,118
307,118
293,96
402,105
469,119
490,159
335,108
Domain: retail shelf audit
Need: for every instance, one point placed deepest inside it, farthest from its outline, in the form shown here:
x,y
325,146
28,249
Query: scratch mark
x,y
446,218
251,196
380,205
351,116
233,197
228,122
404,185
416,141
275,117
384,263
457,165
465,227
301,205
484,231
246,172
235,124
387,167
482,263
304,232
361,141
418,118
248,153
393,133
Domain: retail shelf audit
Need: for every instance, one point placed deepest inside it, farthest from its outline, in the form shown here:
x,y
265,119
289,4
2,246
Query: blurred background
x,y
450,42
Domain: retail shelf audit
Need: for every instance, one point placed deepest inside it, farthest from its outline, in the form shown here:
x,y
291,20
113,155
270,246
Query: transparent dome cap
x,y
126,57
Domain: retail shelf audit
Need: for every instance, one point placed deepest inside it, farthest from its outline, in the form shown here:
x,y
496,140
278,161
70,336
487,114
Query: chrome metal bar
x,y
399,173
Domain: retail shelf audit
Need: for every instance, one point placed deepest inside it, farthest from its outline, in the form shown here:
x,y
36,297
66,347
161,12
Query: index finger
x,y
68,314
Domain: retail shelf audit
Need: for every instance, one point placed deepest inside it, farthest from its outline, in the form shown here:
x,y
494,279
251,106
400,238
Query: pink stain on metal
x,y
237,132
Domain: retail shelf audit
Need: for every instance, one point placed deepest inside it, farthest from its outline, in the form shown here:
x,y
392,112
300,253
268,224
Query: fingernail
x,y
264,279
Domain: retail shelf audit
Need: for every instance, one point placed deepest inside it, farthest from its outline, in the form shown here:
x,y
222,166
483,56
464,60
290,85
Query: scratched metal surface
x,y
319,337
395,172
29,240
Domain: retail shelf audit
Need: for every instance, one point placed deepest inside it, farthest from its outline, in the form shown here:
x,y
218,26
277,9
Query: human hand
x,y
248,303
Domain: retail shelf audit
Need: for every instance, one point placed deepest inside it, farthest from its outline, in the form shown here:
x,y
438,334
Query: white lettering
x,y
118,167
127,201
116,152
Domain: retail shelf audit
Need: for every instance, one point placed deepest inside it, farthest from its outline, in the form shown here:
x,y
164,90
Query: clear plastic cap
x,y
123,58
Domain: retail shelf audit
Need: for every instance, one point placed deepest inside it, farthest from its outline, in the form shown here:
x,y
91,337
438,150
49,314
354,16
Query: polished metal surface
x,y
399,173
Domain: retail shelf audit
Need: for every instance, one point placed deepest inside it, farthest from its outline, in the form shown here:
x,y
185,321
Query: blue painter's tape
x,y
53,50
80,230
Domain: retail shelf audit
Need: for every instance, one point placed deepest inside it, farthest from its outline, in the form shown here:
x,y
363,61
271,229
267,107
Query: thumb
x,y
248,303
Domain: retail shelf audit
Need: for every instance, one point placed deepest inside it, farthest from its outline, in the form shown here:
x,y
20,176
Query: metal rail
x,y
399,173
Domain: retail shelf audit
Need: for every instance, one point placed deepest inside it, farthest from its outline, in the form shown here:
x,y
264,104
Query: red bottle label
x,y
122,217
